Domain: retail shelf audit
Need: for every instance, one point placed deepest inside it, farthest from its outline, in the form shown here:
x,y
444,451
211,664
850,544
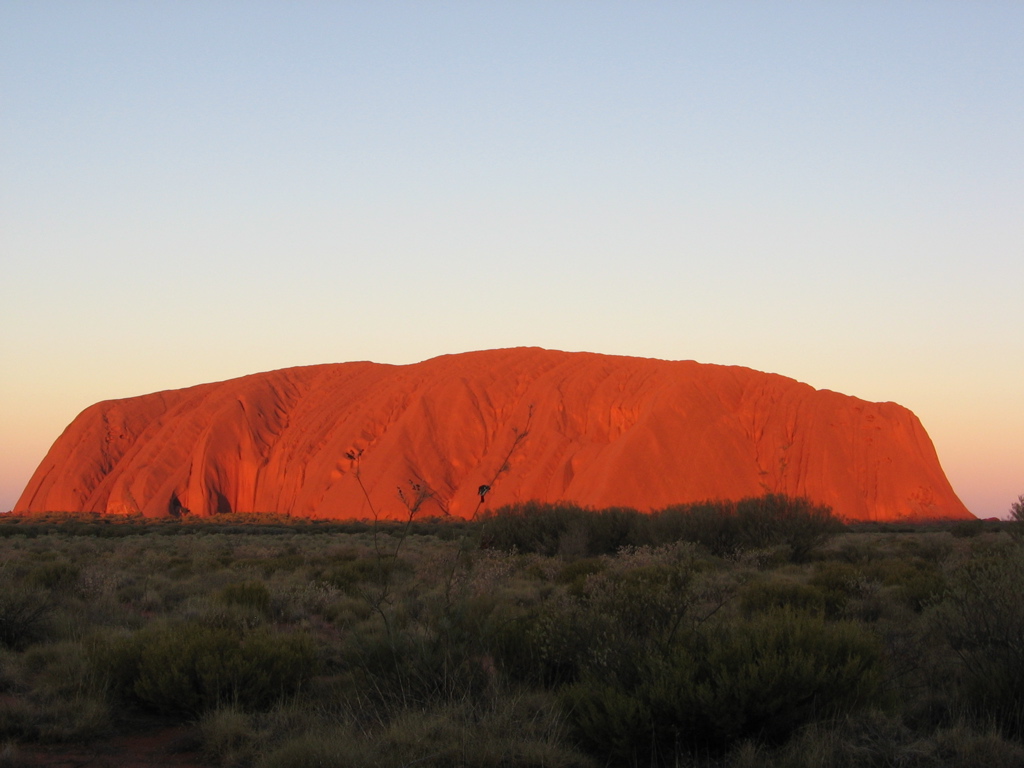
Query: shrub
x,y
76,718
514,731
606,621
338,746
876,739
9,757
921,589
551,529
65,700
712,525
349,575
916,582
188,668
60,670
24,615
1016,527
250,595
838,582
982,619
762,679
725,527
421,665
58,576
576,572
967,529
228,736
770,596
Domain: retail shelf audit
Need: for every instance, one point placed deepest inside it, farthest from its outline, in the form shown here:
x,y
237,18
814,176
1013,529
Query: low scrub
x,y
24,615
188,668
771,596
721,527
552,529
982,618
726,634
762,679
726,527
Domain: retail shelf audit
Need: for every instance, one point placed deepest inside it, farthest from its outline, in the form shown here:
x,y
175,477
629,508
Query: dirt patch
x,y
163,747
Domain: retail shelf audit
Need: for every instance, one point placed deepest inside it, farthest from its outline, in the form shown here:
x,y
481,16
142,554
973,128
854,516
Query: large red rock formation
x,y
357,439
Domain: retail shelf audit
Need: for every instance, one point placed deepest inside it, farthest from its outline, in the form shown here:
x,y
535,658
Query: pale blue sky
x,y
833,191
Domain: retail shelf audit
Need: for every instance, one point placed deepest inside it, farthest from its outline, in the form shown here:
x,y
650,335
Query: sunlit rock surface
x,y
341,441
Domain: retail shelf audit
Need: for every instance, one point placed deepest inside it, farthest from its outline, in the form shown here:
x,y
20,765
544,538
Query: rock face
x,y
355,440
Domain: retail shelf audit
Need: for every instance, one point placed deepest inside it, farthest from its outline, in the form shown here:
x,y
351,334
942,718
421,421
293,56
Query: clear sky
x,y
192,191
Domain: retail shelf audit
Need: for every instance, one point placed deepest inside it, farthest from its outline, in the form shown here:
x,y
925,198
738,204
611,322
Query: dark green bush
x,y
553,646
612,616
1016,526
982,619
549,529
287,562
759,679
711,525
404,669
967,529
916,581
576,572
24,615
519,653
57,576
348,575
725,527
188,668
838,582
796,522
770,596
921,588
251,595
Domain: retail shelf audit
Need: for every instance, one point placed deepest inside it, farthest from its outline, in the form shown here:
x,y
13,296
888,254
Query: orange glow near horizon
x,y
192,192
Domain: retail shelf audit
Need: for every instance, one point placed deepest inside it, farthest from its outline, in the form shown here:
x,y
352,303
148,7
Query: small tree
x,y
1017,518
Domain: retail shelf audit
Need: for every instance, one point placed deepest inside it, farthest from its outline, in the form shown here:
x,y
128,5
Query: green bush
x,y
1016,527
711,525
796,522
604,623
916,581
725,527
228,736
967,529
58,576
350,575
762,679
188,668
576,572
250,595
24,615
287,562
921,589
982,619
770,596
550,529
839,583
877,739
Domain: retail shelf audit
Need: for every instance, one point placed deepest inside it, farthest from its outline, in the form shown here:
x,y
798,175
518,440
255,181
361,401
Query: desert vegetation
x,y
757,633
